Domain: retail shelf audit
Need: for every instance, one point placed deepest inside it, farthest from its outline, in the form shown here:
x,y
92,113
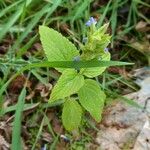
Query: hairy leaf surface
x,y
71,114
92,98
95,71
69,83
56,46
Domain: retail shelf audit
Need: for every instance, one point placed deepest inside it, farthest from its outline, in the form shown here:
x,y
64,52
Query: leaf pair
x,y
91,98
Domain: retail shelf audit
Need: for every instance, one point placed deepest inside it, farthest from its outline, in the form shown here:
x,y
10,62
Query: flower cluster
x,y
96,42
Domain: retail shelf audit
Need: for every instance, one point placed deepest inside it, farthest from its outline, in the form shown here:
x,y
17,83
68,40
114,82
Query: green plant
x,y
75,86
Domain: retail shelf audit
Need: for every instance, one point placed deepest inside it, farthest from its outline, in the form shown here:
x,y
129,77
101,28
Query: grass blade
x,y
114,18
80,10
64,64
38,134
14,107
100,22
8,8
12,19
69,64
16,131
47,8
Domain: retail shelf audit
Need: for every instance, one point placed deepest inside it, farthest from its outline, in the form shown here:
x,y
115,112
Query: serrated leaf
x,y
95,71
69,83
56,46
92,98
71,115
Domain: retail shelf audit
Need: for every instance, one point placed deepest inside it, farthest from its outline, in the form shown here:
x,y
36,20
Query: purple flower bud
x,y
90,22
106,50
77,59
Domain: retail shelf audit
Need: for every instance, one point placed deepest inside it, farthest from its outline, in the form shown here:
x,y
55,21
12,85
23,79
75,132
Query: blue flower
x,y
76,58
90,22
43,148
106,50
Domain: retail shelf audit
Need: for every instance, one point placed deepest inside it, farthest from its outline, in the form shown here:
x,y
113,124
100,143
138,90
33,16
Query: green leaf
x,y
95,71
56,46
92,98
71,115
69,83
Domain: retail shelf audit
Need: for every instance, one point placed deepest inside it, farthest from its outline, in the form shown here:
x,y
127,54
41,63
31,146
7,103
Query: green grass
x,y
19,23
16,131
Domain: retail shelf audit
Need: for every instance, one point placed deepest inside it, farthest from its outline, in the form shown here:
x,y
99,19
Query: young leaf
x,y
69,83
92,98
71,115
56,46
95,71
